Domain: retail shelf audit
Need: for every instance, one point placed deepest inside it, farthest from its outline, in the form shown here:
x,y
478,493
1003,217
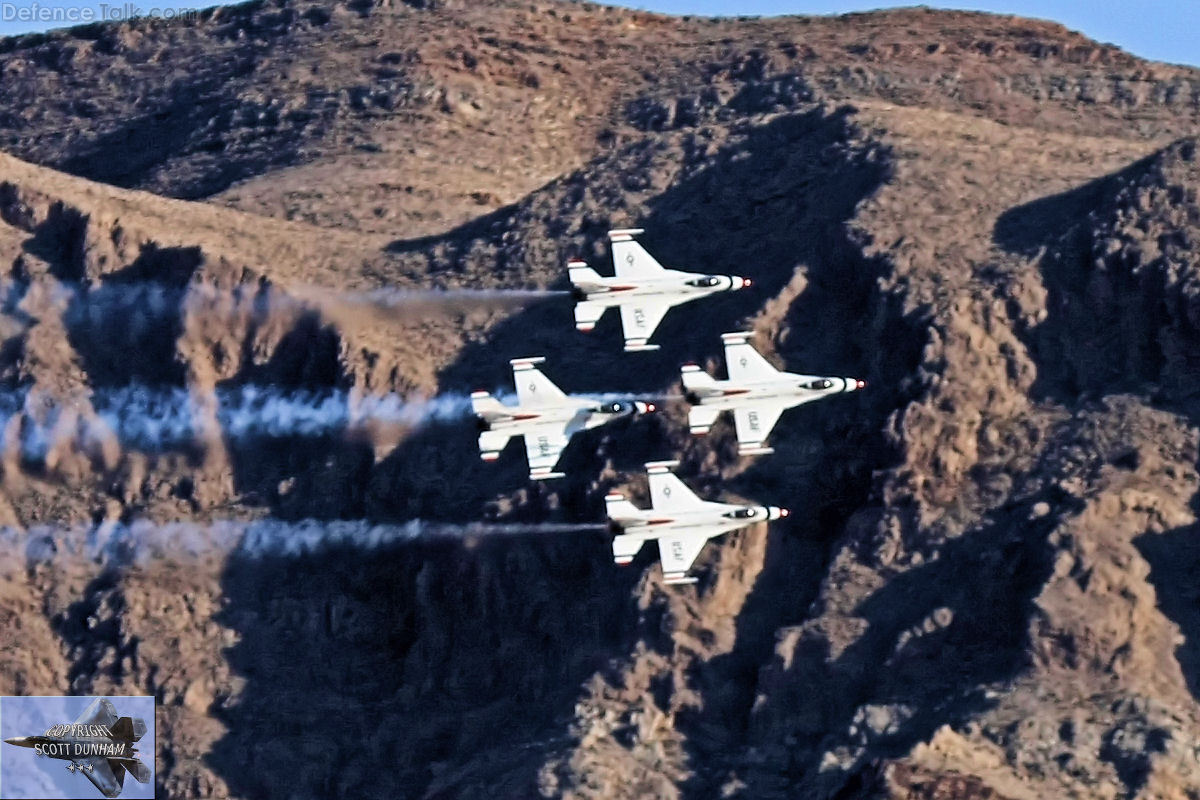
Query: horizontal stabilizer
x,y
696,379
701,419
580,274
487,406
139,771
491,443
544,473
588,314
625,547
620,510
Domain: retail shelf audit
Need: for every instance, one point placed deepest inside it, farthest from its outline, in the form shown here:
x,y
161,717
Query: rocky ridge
x,y
992,220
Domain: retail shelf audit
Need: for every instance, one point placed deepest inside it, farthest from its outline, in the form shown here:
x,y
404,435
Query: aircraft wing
x,y
98,771
630,259
99,712
640,319
754,422
543,446
534,388
678,553
667,492
743,362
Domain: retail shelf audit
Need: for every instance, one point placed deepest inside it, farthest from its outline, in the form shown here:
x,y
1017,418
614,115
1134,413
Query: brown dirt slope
x,y
988,589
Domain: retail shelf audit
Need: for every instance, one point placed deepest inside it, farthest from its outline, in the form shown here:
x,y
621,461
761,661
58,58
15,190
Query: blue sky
x,y
1164,30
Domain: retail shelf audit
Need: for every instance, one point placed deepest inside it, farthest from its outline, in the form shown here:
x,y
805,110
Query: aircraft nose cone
x,y
775,512
19,741
746,283
854,384
644,408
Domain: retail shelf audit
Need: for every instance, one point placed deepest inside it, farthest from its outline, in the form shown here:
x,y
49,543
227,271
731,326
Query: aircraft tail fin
x,y
128,729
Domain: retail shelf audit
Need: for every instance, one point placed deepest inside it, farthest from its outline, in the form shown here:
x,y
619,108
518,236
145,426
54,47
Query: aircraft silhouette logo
x,y
100,744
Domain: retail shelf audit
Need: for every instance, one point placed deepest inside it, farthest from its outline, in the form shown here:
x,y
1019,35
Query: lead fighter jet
x,y
545,416
678,519
756,393
98,744
642,288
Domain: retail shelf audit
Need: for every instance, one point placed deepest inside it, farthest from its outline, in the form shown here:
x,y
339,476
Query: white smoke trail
x,y
153,419
139,304
143,541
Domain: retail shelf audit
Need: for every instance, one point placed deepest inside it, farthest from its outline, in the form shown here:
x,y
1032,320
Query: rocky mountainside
x,y
987,590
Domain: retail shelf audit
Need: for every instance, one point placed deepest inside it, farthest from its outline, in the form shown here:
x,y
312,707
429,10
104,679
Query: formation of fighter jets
x,y
756,393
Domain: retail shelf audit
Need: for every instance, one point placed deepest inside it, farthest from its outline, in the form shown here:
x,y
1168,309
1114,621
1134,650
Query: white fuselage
x,y
784,389
707,520
574,417
672,287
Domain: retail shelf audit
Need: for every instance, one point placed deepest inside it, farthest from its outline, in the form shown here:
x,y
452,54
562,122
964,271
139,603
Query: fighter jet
x,y
678,519
545,416
756,393
642,288
98,744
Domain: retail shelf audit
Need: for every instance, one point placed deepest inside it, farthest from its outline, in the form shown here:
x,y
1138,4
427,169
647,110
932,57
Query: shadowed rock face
x,y
986,589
